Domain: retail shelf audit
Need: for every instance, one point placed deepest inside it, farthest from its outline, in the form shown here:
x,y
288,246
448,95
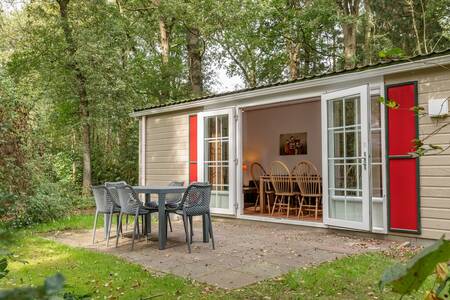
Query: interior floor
x,y
288,133
310,218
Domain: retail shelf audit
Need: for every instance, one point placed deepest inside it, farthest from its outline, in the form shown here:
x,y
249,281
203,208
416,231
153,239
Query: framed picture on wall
x,y
293,144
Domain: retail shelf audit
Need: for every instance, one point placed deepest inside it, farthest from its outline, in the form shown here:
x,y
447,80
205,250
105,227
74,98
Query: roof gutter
x,y
378,71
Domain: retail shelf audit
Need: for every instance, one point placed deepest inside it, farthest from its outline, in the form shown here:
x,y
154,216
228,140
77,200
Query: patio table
x,y
162,191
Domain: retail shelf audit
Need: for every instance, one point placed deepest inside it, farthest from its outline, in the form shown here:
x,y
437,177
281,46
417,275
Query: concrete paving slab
x,y
246,252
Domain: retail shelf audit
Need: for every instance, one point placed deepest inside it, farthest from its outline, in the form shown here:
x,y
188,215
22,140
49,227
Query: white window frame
x,y
364,93
231,152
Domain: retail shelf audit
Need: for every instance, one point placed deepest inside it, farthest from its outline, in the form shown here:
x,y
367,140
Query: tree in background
x,y
72,71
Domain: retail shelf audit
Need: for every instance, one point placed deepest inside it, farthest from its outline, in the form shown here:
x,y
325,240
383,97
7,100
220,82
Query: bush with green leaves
x,y
51,201
409,277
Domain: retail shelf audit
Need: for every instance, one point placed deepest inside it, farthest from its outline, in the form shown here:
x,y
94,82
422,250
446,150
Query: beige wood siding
x,y
434,170
167,148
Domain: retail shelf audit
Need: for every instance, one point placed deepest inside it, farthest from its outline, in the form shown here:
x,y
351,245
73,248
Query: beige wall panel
x,y
432,223
435,181
430,202
167,148
431,191
436,213
435,160
434,171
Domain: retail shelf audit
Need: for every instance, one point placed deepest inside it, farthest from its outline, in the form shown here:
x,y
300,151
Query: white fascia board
x,y
289,87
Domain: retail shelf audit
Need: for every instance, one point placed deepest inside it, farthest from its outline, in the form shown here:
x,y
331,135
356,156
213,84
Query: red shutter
x,y
192,148
403,170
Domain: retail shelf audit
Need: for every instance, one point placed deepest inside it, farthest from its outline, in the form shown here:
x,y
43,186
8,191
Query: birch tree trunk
x,y
416,31
80,83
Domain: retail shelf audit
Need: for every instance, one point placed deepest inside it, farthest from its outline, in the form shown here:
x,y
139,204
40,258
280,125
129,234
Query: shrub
x,y
50,201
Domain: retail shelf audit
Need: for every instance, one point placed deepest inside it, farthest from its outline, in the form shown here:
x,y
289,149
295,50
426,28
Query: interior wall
x,y
262,129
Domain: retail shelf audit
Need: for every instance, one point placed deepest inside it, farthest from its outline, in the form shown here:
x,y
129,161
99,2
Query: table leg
x,y
106,220
162,238
205,229
262,201
148,218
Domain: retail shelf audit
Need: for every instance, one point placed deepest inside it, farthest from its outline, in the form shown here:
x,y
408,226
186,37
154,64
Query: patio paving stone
x,y
246,252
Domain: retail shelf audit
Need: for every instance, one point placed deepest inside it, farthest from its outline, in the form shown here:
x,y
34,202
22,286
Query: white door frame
x,y
231,155
363,91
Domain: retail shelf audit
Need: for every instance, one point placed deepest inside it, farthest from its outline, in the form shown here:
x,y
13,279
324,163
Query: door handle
x,y
364,158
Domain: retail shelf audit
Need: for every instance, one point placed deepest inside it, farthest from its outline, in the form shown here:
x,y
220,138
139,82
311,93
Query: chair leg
x,y
274,203
185,222
211,232
191,227
121,232
109,229
317,207
135,228
268,202
170,222
257,201
95,227
300,212
119,226
288,205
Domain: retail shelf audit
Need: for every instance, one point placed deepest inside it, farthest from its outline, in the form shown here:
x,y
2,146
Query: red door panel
x,y
192,148
403,169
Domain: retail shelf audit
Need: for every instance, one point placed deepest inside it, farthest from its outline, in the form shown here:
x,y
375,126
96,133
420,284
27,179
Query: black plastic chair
x,y
173,199
131,205
195,202
104,205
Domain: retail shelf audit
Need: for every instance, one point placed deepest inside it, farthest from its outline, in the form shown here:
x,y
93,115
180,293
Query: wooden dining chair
x,y
281,179
310,184
256,171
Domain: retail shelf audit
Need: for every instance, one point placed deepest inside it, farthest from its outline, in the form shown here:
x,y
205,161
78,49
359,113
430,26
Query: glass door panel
x,y
216,159
345,138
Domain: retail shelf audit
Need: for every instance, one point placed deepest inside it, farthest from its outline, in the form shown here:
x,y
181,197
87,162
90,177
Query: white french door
x,y
346,196
216,157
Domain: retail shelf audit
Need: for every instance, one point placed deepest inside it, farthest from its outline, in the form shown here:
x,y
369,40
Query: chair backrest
x,y
256,171
174,197
196,199
280,176
111,186
305,167
308,178
129,201
103,202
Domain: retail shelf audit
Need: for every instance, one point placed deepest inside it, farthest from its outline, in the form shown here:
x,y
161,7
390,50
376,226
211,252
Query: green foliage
x,y
405,278
391,53
48,291
51,201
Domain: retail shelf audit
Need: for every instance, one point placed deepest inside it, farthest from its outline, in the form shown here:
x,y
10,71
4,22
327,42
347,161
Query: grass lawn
x,y
105,276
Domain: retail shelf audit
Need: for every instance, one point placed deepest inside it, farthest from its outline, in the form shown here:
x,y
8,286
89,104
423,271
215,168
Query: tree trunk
x,y
294,58
416,31
368,33
80,83
350,9
195,53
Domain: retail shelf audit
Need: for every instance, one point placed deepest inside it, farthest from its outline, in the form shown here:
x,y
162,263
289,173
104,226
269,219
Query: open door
x,y
346,197
216,157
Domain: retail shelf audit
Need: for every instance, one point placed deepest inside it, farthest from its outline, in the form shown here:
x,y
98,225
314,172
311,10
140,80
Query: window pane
x,y
376,146
377,181
211,127
376,112
335,113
